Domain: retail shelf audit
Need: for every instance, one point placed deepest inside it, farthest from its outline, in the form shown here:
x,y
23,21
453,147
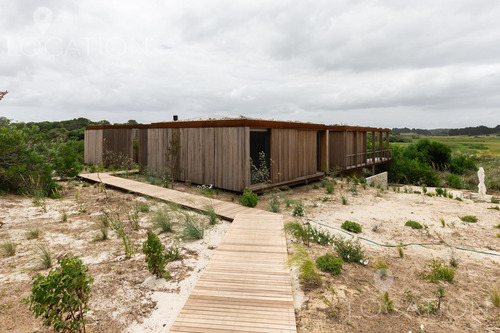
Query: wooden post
x,y
387,144
345,149
327,155
381,147
373,147
355,151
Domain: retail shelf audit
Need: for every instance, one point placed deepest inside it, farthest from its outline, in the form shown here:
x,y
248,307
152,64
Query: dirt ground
x,y
125,297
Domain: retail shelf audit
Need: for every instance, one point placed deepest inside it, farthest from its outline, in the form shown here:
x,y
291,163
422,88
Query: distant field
x,y
484,144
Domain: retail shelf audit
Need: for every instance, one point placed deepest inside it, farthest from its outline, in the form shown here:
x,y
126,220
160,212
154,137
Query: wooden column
x,y
381,147
373,147
327,155
387,144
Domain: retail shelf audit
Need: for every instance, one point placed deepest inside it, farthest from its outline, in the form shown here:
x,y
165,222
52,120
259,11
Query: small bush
x,y
61,297
439,192
248,198
274,204
440,272
9,248
298,210
143,207
328,263
162,219
413,224
155,258
319,236
468,218
454,181
193,229
351,226
350,250
329,188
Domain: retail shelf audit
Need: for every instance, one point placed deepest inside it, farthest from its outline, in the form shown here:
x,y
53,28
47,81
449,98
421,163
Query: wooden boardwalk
x,y
246,286
226,210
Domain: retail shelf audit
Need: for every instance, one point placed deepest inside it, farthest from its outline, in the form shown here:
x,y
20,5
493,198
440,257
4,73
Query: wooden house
x,y
218,152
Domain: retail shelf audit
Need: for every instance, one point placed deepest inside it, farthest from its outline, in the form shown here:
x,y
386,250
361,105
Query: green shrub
x,y
61,297
351,226
439,192
350,250
468,218
461,164
454,181
193,229
155,258
328,263
274,204
248,198
413,224
440,272
319,236
495,200
298,210
329,188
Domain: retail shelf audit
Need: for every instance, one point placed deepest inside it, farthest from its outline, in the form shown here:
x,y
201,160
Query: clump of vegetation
x,y
400,251
468,218
495,200
308,272
143,207
173,253
328,263
350,250
45,257
155,258
260,173
386,303
454,181
274,204
193,229
61,297
128,245
288,202
133,217
319,236
162,219
440,272
299,231
209,211
351,226
248,198
344,199
298,210
495,295
413,224
330,189
33,233
9,248
494,207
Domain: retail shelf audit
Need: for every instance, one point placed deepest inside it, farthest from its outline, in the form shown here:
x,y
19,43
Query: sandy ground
x,y
125,296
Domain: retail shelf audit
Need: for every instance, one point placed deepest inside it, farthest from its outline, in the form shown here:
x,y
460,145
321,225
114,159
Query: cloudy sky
x,y
381,63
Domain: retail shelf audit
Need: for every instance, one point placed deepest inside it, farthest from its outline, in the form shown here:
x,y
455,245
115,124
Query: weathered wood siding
x,y
217,156
337,149
293,154
117,145
93,146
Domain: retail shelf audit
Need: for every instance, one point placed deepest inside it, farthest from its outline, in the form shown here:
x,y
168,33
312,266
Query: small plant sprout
x,y
344,199
386,303
64,216
443,223
400,251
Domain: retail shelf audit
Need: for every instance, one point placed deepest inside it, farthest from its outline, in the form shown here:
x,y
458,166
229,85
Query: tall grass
x,y
45,257
9,248
163,219
193,228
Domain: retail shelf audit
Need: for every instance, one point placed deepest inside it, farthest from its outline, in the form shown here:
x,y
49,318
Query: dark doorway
x,y
259,142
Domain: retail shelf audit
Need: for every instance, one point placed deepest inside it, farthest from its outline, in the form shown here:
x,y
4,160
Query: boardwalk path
x,y
245,286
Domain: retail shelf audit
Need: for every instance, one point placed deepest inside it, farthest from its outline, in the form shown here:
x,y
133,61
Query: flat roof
x,y
243,122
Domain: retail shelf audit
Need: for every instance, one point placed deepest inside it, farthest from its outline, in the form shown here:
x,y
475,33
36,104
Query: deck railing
x,y
365,159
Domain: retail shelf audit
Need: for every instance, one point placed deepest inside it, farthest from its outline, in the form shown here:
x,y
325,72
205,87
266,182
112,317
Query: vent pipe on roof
x,y
176,118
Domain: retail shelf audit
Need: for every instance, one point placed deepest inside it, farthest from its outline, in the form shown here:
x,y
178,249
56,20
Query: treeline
x,y
471,131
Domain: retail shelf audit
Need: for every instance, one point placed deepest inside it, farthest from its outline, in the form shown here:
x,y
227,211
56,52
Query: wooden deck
x,y
246,287
226,210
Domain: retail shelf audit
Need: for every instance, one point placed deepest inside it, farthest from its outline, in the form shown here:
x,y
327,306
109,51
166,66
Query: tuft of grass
x,y
400,251
351,226
33,233
143,207
468,218
380,264
495,200
413,224
45,257
213,218
274,204
344,199
495,295
299,231
308,272
193,229
440,272
386,303
162,219
443,223
494,207
9,248
330,189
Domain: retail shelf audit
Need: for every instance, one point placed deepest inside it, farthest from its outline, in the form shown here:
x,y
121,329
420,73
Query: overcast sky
x,y
388,63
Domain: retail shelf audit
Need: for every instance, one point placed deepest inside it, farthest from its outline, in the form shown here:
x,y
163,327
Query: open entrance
x,y
260,155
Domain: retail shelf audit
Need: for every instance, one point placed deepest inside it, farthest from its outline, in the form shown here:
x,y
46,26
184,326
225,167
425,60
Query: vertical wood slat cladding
x,y
117,144
216,156
93,146
143,148
337,149
293,154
